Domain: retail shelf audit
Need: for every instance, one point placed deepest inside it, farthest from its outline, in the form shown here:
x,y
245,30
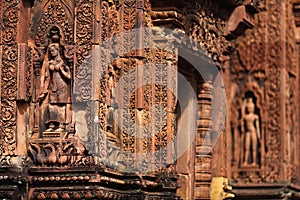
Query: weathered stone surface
x,y
104,99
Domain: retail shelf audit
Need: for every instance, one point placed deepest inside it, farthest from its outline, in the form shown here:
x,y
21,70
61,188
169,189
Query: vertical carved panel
x,y
83,88
105,75
8,73
128,23
84,35
164,102
10,22
8,97
292,77
127,104
104,26
273,139
29,84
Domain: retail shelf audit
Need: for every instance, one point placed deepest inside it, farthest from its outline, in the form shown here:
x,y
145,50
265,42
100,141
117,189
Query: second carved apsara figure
x,y
251,133
55,82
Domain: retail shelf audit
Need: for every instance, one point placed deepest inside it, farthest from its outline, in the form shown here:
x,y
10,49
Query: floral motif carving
x,y
84,34
10,22
56,13
207,28
8,73
84,20
274,144
55,152
292,127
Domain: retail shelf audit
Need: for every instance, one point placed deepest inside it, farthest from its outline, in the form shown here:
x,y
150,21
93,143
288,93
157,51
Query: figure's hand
x,y
62,69
65,72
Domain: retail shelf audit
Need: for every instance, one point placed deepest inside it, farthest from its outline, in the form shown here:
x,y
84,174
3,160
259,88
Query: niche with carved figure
x,y
52,140
249,131
55,95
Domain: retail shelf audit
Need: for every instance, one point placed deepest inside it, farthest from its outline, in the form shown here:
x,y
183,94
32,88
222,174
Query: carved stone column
x,y
203,154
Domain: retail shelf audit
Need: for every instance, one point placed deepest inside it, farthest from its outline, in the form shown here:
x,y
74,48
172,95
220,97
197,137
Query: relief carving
x,y
55,82
55,152
247,128
9,73
250,131
273,139
54,13
247,76
270,63
53,141
133,129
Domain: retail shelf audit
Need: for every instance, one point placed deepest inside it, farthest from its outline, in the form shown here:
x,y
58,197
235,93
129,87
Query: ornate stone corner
x,y
239,21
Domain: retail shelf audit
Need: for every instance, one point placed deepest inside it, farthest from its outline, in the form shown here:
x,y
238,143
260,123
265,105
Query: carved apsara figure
x,y
251,130
111,112
55,83
111,84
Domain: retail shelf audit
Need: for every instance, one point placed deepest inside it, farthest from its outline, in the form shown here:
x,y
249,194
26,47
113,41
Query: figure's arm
x,y
65,70
43,77
47,78
243,115
44,82
257,127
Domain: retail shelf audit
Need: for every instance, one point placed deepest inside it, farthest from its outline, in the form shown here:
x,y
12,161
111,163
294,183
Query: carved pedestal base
x,y
53,134
97,183
12,183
